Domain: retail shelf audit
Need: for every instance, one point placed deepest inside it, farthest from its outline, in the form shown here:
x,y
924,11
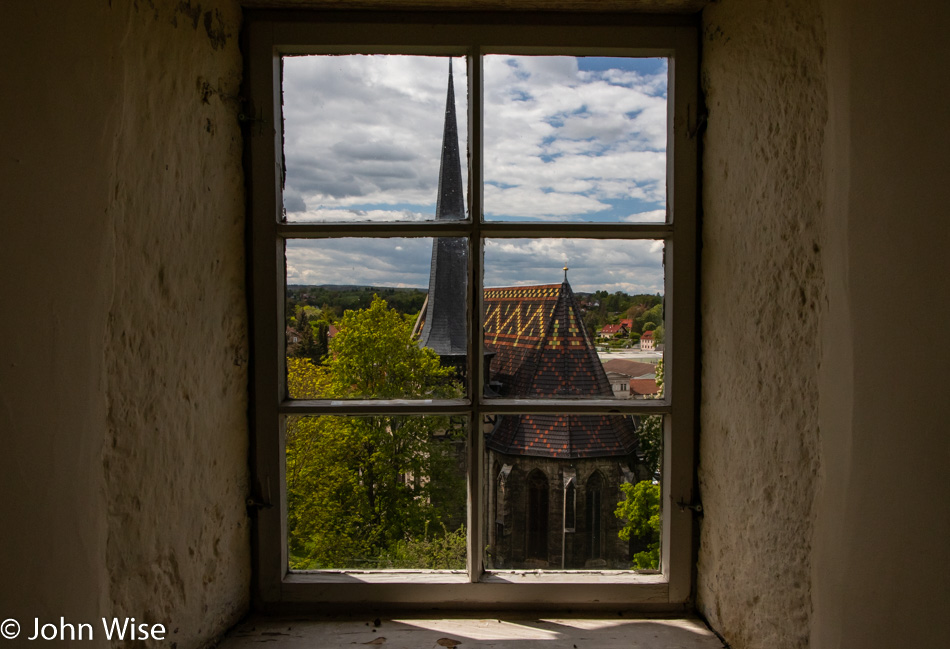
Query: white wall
x,y
763,289
123,326
881,573
824,469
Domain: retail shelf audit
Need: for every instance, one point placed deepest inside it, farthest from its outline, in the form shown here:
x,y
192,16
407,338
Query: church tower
x,y
444,319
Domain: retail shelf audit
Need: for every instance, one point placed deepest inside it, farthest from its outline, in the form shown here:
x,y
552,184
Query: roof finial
x,y
565,273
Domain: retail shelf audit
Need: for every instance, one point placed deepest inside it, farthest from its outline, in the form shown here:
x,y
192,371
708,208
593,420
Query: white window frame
x,y
271,34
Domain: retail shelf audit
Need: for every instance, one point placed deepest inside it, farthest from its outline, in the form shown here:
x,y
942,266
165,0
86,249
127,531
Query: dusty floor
x,y
507,632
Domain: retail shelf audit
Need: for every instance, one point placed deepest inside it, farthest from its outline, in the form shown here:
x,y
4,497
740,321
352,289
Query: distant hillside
x,y
337,298
351,287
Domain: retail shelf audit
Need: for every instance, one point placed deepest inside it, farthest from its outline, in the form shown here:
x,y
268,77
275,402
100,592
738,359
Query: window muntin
x,y
267,39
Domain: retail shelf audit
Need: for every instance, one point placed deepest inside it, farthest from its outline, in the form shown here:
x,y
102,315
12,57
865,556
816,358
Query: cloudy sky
x,y
578,139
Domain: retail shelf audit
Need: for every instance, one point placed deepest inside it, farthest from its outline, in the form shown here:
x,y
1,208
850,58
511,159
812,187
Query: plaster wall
x,y
881,577
123,373
762,294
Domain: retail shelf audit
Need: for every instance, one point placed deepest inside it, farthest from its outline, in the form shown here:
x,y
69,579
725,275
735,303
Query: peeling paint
x,y
217,31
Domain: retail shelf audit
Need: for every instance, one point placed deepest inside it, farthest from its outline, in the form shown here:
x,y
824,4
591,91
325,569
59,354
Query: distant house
x,y
646,341
630,368
620,384
623,373
292,336
613,331
628,323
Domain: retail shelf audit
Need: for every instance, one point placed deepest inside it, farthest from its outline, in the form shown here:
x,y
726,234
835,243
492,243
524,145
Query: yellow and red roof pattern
x,y
541,349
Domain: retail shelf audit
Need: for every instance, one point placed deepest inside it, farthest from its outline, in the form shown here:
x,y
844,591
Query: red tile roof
x,y
647,334
627,322
611,329
629,367
542,350
643,386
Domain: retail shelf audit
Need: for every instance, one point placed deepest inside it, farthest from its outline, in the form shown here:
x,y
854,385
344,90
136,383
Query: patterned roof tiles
x,y
542,350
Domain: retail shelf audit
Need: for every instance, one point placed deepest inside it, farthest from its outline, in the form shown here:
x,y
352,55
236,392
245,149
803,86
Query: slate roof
x,y
443,320
542,350
564,436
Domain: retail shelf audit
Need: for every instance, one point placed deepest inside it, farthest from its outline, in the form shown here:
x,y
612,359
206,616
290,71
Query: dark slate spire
x,y
445,319
450,205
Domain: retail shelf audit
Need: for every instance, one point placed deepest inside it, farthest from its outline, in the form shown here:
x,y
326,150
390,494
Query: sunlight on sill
x,y
607,632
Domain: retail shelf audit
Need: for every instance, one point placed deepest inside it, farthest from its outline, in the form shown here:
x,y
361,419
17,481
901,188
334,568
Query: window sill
x,y
490,631
460,577
452,591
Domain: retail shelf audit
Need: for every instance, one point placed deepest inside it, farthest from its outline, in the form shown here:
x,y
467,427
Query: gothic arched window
x,y
595,488
537,516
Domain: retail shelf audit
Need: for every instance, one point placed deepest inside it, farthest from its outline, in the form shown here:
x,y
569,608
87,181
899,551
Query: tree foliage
x,y
369,491
650,431
640,508
640,511
335,300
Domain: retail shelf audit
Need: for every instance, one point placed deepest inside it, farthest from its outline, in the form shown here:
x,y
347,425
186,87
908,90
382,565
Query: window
x,y
491,411
594,523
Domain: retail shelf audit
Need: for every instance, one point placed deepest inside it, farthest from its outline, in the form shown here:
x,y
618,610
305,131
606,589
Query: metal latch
x,y
696,507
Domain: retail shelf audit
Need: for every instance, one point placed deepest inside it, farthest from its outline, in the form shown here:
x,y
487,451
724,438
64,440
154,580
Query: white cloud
x,y
396,262
349,215
366,130
653,216
611,265
363,142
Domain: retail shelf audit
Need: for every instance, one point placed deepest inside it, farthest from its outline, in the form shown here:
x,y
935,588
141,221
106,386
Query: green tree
x,y
650,431
640,511
652,316
369,491
640,508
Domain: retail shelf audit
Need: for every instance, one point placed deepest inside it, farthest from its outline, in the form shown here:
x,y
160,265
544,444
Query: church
x,y
554,480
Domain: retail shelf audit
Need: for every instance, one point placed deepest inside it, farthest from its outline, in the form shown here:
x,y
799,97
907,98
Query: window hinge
x,y
256,501
249,117
695,506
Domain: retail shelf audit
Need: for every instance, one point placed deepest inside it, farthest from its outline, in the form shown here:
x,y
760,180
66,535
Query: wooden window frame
x,y
270,34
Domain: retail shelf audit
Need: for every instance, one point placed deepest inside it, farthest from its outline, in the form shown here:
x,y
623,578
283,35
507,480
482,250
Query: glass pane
x,y
376,492
573,492
573,318
359,322
575,138
372,138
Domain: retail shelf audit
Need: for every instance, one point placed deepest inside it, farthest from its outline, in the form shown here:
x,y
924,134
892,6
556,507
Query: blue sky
x,y
578,139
